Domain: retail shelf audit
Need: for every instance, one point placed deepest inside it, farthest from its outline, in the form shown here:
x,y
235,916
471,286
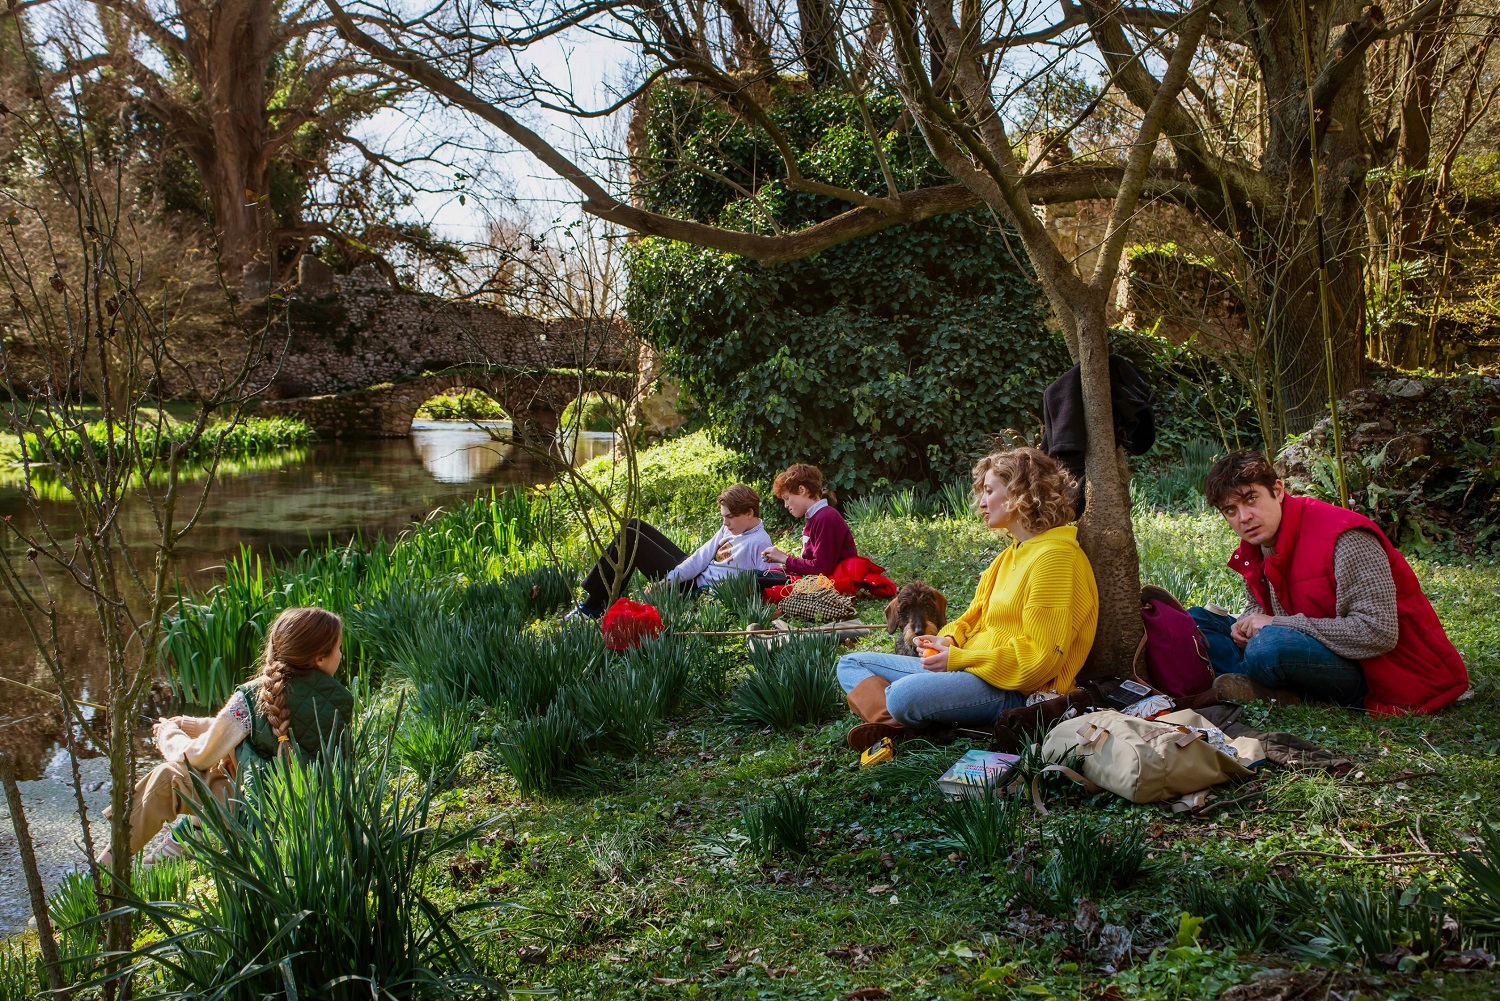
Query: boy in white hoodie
x,y
734,549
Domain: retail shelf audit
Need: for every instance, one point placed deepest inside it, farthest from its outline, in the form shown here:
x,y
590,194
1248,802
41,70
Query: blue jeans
x,y
1278,657
918,697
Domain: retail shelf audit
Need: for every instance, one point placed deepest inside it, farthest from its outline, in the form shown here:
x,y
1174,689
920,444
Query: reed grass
x,y
317,880
211,649
985,827
432,739
791,683
548,753
22,974
1091,856
779,825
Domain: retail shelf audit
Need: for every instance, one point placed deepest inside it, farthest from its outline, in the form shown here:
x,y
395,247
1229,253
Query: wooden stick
x,y
1205,810
1358,858
1396,778
50,695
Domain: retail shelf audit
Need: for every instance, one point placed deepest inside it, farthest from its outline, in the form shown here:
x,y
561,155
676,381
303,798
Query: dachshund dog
x,y
915,610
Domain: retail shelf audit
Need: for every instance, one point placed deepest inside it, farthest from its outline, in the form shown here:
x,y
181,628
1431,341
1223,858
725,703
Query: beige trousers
x,y
165,793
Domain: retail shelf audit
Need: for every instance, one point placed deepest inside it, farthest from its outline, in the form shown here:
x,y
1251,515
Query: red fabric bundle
x,y
628,622
775,594
857,573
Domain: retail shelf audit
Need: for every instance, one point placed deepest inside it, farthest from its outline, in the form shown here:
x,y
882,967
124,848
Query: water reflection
x,y
458,451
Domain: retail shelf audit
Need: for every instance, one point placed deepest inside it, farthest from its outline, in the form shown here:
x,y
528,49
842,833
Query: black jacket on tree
x,y
1064,433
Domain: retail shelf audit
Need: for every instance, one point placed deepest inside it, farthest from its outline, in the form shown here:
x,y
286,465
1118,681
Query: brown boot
x,y
867,701
1241,688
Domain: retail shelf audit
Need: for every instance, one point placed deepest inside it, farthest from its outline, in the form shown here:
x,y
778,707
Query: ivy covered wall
x,y
891,359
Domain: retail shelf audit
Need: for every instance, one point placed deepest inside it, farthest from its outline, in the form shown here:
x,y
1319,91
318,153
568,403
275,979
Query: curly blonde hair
x,y
1042,493
295,641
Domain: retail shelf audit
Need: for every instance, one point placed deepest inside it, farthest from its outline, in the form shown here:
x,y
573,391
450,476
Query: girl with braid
x,y
294,705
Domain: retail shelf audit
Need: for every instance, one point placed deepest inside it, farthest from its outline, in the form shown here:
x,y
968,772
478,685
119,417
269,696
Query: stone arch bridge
x,y
362,356
534,401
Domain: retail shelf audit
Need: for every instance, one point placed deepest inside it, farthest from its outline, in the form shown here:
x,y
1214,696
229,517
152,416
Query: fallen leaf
x,y
879,888
1469,959
669,981
533,953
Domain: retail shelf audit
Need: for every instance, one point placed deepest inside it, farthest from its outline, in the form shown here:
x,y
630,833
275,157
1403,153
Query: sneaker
x,y
580,612
1241,688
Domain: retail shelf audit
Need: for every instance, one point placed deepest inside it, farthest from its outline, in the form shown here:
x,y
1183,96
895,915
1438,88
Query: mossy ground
x,y
636,889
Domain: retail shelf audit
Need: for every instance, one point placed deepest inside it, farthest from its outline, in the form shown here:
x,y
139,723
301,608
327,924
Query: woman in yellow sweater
x,y
1028,630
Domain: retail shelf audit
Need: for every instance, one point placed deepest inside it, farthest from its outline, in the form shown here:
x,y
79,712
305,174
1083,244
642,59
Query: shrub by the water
x,y
594,412
892,357
154,442
211,645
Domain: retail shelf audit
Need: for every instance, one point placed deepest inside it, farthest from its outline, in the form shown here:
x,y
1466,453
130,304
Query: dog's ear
x,y
942,606
892,612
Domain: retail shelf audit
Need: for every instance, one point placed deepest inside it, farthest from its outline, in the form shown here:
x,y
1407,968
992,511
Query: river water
x,y
331,491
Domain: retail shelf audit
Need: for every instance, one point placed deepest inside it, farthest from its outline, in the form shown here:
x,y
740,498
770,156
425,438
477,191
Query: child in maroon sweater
x,y
826,539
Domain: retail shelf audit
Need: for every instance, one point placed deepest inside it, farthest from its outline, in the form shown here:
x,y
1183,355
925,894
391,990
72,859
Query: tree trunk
x,y
1281,234
239,215
1287,264
819,40
1106,532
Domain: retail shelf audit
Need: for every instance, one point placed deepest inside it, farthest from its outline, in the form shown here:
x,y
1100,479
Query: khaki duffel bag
x,y
1148,761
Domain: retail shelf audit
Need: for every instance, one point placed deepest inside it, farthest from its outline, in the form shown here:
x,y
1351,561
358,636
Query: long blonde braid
x,y
295,641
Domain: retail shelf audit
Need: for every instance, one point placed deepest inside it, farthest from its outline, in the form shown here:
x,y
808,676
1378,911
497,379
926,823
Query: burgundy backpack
x,y
1173,656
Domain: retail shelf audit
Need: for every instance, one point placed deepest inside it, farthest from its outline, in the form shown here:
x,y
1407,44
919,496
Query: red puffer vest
x,y
1424,672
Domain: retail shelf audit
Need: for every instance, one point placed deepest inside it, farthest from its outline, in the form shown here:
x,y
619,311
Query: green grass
x,y
619,830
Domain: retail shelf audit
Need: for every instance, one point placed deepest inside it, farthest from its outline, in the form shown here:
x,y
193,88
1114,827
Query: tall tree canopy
x,y
248,111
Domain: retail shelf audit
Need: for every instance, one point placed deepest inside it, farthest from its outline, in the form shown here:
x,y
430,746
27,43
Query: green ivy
x,y
890,359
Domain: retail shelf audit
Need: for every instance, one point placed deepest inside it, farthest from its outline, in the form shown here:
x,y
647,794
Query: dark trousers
x,y
639,546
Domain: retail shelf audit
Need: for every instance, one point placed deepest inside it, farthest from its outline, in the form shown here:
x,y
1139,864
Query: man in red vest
x,y
1335,613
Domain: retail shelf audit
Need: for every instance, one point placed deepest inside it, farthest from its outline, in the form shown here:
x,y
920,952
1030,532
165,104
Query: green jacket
x,y
320,708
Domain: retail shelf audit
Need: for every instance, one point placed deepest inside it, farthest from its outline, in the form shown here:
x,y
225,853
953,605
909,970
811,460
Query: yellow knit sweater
x,y
1032,620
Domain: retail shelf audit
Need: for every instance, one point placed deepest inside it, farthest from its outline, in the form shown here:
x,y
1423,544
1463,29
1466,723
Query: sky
x,y
513,181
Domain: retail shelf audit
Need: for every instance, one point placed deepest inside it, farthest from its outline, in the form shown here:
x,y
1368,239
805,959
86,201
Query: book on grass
x,y
976,772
